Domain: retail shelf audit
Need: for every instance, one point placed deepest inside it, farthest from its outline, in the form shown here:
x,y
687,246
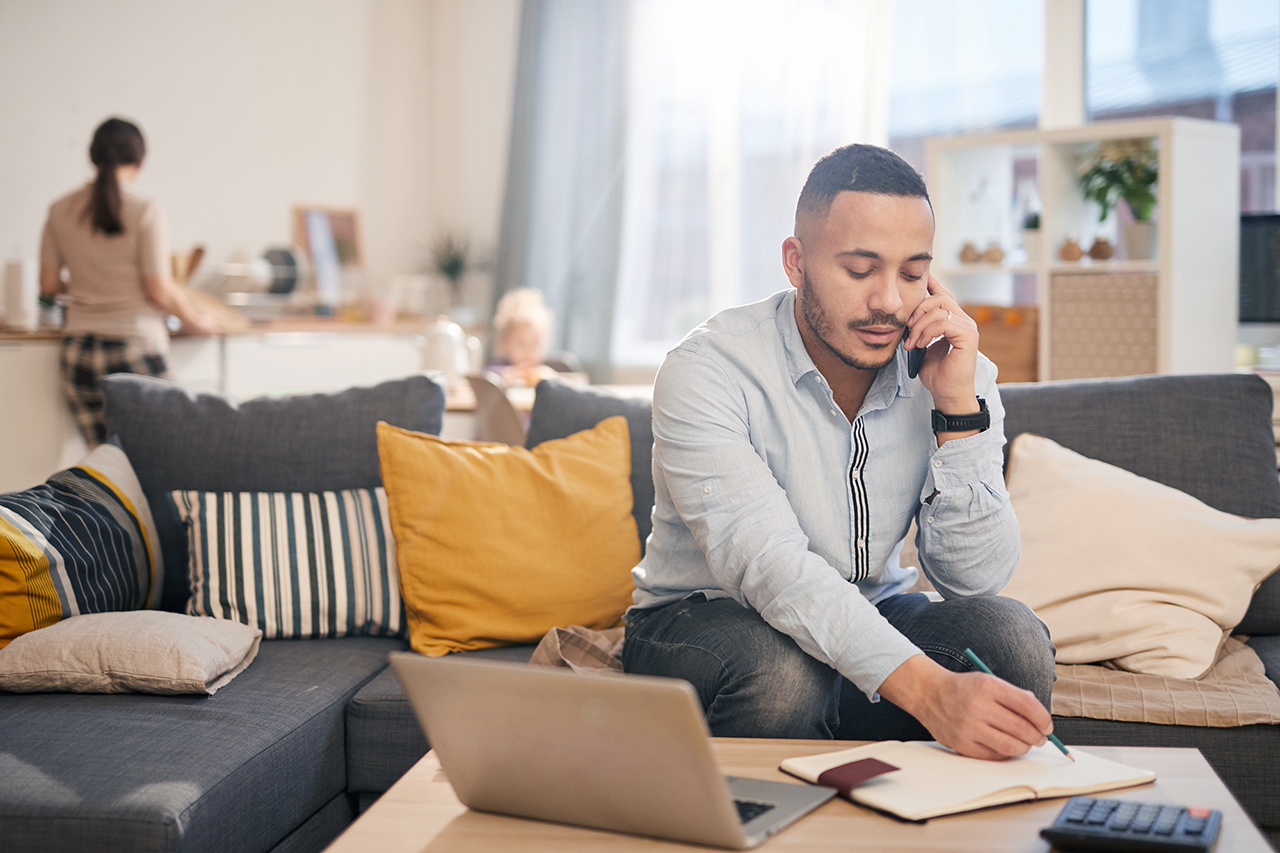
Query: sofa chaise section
x,y
244,769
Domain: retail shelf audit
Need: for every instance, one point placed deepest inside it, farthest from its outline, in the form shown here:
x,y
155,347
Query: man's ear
x,y
793,260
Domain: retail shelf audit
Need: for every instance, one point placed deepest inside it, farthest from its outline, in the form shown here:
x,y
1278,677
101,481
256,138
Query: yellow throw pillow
x,y
498,544
1121,568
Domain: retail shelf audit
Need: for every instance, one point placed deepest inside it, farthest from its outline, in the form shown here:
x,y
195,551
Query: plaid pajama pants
x,y
88,358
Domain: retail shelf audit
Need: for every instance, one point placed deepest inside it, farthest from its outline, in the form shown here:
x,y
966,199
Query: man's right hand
x,y
975,714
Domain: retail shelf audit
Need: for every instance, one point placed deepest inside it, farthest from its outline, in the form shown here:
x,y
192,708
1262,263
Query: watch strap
x,y
979,420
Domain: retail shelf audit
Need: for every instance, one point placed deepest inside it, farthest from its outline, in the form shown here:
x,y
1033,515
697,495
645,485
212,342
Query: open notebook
x,y
932,781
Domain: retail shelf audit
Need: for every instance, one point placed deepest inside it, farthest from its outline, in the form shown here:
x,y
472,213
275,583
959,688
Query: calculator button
x,y
1200,812
1076,811
1123,817
1167,820
1146,816
1100,812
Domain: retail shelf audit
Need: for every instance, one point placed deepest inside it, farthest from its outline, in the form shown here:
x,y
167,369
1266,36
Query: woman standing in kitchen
x,y
114,249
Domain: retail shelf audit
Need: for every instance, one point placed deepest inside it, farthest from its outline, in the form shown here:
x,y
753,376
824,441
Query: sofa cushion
x,y
294,564
498,544
82,542
1208,436
178,439
1121,568
1268,649
384,738
141,651
560,409
235,771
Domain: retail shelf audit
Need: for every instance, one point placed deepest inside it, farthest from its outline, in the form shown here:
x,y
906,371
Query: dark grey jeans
x,y
754,681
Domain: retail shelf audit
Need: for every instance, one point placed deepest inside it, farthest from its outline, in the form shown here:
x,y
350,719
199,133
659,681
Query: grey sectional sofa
x,y
284,756
1209,436
262,764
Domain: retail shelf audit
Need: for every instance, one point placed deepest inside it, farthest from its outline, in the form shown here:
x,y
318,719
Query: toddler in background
x,y
522,335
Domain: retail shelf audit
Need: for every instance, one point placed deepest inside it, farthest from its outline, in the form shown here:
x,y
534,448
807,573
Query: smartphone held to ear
x,y
915,357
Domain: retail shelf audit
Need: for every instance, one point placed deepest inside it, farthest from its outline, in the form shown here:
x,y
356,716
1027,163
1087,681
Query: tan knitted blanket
x,y
1234,692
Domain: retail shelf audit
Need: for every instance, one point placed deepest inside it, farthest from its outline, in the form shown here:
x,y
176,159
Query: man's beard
x,y
815,316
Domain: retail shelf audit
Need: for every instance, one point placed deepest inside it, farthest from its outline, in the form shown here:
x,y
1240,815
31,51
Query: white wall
x,y
473,68
398,107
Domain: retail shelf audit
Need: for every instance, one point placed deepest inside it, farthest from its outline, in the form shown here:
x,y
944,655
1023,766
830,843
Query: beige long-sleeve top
x,y
106,288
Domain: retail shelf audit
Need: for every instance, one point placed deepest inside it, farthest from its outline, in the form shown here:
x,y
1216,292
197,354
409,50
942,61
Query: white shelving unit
x,y
1187,320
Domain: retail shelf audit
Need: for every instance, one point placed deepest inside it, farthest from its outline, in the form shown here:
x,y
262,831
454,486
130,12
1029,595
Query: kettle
x,y
451,351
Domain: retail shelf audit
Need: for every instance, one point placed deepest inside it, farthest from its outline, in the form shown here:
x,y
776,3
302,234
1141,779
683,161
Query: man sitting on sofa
x,y
791,452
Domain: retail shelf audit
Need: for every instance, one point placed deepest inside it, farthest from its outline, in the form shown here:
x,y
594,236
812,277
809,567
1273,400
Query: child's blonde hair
x,y
524,305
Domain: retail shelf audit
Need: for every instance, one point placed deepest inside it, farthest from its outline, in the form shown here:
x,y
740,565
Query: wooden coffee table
x,y
421,813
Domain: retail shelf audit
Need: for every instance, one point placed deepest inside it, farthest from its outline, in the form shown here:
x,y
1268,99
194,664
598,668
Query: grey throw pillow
x,y
181,440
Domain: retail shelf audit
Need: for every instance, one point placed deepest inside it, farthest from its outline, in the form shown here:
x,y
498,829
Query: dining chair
x,y
496,418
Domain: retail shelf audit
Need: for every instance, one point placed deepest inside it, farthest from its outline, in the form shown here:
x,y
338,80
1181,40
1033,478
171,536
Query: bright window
x,y
961,66
730,102
1210,59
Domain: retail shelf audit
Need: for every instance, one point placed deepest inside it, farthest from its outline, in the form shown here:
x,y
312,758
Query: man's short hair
x,y
858,168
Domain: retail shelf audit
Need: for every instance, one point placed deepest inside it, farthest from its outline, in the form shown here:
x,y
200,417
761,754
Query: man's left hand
x,y
952,360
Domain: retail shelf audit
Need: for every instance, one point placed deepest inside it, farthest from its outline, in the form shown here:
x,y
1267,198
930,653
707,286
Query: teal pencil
x,y
982,666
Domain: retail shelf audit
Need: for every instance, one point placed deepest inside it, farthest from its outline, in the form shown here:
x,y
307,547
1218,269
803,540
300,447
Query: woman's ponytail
x,y
116,142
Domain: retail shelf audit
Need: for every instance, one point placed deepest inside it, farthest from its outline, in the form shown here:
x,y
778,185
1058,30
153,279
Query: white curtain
x,y
729,103
561,216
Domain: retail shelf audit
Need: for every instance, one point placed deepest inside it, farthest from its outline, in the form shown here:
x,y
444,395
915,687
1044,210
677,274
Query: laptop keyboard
x,y
749,811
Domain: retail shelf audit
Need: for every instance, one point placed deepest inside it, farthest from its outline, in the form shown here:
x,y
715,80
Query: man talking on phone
x,y
791,452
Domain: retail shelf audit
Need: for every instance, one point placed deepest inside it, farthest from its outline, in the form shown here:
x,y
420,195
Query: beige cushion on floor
x,y
140,651
1124,569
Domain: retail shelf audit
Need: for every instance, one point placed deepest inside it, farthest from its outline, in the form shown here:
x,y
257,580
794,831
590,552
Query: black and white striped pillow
x,y
295,564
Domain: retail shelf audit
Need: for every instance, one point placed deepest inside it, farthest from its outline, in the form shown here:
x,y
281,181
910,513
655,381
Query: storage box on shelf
x,y
1175,313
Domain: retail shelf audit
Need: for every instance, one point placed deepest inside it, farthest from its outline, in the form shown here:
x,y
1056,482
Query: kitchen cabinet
x,y
38,435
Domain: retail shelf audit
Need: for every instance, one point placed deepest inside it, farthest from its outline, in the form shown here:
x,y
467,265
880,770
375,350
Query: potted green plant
x,y
1032,242
1124,169
451,259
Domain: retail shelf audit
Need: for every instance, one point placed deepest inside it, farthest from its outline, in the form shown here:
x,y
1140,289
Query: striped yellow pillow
x,y
81,542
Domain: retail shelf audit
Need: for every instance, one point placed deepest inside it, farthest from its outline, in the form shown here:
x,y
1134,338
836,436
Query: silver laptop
x,y
626,753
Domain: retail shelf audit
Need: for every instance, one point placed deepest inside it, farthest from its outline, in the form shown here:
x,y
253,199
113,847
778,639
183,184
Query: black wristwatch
x,y
979,420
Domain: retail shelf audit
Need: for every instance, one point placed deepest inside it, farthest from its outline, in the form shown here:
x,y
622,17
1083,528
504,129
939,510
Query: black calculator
x,y
1087,823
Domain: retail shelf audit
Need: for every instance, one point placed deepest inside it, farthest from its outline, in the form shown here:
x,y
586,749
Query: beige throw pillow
x,y
1124,569
141,651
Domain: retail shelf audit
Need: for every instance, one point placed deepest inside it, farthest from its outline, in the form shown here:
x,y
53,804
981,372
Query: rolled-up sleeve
x,y
968,534
725,493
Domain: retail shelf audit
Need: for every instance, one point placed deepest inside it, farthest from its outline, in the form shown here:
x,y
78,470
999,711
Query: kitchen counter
x,y
285,356
322,325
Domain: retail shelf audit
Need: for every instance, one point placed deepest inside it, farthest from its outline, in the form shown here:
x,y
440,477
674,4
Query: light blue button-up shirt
x,y
767,494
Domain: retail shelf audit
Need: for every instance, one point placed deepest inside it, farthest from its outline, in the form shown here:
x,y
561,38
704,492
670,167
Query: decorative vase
x,y
969,253
993,254
1101,250
1140,240
446,350
1070,250
1033,245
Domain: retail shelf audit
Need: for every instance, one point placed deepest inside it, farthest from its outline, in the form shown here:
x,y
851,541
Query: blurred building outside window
x,y
1210,59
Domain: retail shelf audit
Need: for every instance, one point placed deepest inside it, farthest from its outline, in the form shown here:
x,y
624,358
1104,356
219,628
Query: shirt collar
x,y
892,380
